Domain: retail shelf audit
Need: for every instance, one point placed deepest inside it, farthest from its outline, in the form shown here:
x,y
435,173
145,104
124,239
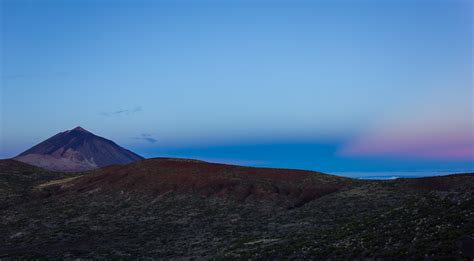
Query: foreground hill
x,y
170,208
76,150
163,175
17,179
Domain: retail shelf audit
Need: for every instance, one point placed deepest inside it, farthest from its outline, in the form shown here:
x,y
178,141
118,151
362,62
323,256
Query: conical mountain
x,y
76,150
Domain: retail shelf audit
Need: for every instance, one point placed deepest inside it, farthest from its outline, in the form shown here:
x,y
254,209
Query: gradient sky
x,y
322,85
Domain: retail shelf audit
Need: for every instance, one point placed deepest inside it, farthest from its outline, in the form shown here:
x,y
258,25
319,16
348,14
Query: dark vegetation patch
x,y
167,209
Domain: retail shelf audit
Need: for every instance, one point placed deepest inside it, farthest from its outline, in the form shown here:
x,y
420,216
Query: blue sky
x,y
324,85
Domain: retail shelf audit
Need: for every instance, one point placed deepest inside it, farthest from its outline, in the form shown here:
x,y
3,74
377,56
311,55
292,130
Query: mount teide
x,y
76,150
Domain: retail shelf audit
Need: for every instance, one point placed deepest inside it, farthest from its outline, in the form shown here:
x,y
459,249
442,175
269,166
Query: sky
x,y
324,85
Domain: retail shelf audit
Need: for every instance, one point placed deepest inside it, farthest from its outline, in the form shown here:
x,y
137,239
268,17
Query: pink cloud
x,y
418,146
438,125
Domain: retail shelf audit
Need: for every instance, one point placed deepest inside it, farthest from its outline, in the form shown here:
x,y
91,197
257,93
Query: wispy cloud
x,y
146,137
121,112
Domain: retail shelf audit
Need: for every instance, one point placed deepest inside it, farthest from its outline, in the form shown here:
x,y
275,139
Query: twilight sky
x,y
322,85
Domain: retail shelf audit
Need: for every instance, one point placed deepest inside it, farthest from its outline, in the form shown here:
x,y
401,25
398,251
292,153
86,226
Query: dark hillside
x,y
186,209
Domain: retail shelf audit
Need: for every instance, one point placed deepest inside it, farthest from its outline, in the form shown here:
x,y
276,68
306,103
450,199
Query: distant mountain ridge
x,y
76,150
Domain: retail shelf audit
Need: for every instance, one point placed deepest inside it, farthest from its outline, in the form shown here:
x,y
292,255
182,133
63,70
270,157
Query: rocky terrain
x,y
174,208
76,150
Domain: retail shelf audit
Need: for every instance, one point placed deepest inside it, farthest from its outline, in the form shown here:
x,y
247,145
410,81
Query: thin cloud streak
x,y
146,137
122,112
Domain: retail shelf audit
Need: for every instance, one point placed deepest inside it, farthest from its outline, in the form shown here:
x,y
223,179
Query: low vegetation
x,y
128,212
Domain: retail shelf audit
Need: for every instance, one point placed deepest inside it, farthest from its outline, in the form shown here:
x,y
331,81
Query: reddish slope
x,y
159,176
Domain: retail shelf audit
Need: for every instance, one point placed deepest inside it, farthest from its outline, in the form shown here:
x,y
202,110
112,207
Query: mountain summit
x,y
76,150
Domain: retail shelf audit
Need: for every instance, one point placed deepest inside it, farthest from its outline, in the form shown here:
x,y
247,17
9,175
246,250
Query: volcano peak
x,y
79,128
76,150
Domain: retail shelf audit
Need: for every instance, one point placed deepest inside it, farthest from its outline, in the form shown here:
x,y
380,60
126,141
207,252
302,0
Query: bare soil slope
x,y
162,175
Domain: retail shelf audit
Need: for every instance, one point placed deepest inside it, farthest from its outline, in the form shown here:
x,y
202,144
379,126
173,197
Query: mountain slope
x,y
76,150
166,175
